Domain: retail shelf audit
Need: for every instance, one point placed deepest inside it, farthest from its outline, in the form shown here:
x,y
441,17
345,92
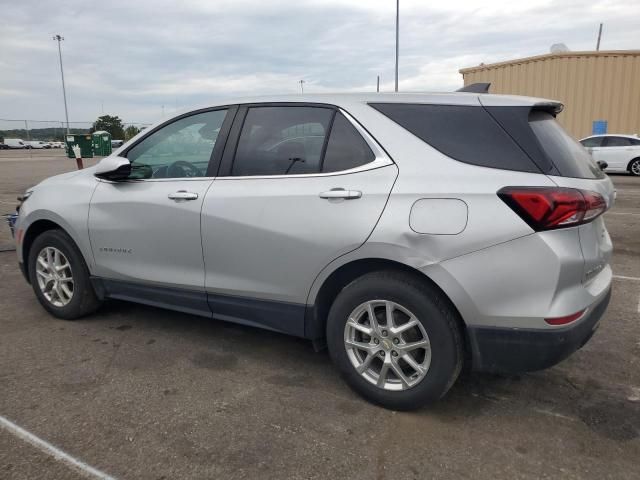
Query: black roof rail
x,y
475,88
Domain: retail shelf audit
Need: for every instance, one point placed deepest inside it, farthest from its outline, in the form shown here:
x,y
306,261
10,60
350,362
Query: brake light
x,y
548,208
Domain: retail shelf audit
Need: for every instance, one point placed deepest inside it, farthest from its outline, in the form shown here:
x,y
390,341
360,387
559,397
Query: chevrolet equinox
x,y
410,232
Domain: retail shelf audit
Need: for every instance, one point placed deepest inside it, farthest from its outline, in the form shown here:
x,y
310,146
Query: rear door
x,y
300,185
617,152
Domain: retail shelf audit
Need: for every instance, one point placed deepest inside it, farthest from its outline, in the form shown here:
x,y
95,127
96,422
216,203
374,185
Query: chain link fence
x,y
48,130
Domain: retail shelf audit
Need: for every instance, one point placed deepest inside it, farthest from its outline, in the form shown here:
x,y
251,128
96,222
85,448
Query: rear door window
x,y
281,141
617,142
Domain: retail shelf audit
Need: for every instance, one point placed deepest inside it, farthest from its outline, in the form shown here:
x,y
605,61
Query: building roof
x,y
550,56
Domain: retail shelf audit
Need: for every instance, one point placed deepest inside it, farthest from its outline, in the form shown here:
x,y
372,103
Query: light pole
x,y
397,37
301,82
59,38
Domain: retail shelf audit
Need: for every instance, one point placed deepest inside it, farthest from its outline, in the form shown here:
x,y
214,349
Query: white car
x,y
36,144
621,153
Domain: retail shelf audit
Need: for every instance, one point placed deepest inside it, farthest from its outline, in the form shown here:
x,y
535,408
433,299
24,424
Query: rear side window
x,y
346,148
591,142
466,133
568,156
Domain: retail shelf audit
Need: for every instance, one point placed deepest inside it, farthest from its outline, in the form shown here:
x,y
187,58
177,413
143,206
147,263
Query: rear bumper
x,y
511,350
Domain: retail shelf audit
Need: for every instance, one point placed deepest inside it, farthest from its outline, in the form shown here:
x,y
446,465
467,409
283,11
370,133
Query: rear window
x,y
568,156
466,133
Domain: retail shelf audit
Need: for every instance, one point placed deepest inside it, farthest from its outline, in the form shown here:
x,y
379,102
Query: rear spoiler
x,y
475,88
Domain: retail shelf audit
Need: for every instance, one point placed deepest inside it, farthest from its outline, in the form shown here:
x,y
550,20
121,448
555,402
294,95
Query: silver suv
x,y
411,233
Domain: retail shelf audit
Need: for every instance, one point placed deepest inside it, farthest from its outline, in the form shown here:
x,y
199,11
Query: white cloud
x,y
136,56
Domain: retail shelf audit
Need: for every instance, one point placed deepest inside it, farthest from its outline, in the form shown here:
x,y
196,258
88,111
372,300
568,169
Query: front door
x,y
145,232
303,185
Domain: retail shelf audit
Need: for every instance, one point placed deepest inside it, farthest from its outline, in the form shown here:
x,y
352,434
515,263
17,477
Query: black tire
x,y
84,300
433,311
635,163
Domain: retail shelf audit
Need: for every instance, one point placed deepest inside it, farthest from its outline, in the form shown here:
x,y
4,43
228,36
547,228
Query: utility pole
x,y
378,85
397,37
301,82
599,36
59,38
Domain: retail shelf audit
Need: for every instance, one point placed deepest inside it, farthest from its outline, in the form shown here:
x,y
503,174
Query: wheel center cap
x,y
386,344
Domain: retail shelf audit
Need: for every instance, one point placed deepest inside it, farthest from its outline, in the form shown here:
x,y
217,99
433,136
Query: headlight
x,y
23,198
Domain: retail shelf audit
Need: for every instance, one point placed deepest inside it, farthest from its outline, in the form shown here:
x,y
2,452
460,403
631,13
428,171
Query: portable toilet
x,y
83,140
101,143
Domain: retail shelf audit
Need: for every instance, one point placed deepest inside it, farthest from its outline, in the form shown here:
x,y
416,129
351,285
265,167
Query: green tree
x,y
130,132
111,124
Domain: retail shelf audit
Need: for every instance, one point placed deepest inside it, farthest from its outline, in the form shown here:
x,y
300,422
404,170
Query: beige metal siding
x,y
591,85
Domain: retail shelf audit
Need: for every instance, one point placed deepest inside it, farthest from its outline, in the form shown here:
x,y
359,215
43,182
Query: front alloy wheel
x,y
387,345
55,277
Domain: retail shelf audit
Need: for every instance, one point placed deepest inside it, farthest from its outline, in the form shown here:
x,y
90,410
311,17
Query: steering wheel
x,y
182,168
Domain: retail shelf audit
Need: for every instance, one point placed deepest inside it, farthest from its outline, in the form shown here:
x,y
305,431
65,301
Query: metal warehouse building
x,y
600,90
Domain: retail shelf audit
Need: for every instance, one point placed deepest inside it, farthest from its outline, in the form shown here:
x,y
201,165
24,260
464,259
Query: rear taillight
x,y
548,208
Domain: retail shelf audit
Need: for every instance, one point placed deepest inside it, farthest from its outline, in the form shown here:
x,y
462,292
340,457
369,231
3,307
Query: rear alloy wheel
x,y
395,338
387,345
634,167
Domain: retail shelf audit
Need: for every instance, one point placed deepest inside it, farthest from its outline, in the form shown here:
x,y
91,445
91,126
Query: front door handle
x,y
183,195
341,193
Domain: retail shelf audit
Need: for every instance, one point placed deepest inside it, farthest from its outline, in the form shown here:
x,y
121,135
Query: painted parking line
x,y
624,213
56,453
622,277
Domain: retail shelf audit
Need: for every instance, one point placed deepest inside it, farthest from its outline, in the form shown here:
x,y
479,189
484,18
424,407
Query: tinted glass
x,y
617,142
181,149
591,142
346,148
281,141
466,133
569,157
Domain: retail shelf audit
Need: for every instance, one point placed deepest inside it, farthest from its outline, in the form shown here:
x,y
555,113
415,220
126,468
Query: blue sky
x,y
135,56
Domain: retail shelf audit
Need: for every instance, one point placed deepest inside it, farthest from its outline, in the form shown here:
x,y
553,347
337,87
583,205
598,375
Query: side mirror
x,y
114,169
602,164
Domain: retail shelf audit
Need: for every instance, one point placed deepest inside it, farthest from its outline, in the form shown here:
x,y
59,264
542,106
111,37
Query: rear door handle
x,y
183,195
341,193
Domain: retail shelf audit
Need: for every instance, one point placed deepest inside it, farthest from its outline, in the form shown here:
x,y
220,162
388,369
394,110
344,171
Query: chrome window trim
x,y
381,159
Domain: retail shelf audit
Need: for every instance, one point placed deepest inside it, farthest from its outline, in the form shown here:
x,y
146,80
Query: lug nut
x,y
384,333
382,354
376,341
394,353
396,341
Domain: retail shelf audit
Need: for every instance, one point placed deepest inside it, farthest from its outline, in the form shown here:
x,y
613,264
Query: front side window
x,y
281,141
178,150
591,142
617,142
